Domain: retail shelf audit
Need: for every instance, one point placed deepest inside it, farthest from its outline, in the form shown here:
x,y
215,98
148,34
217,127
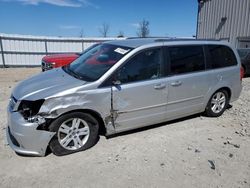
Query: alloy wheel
x,y
73,133
218,102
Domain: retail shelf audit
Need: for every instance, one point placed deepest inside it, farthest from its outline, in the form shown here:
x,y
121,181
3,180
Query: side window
x,y
144,66
185,59
221,56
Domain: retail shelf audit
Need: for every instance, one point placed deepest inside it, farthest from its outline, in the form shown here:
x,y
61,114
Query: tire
x,y
76,131
217,104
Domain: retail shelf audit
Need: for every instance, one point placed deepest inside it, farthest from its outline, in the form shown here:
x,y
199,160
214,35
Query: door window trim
x,y
185,73
106,82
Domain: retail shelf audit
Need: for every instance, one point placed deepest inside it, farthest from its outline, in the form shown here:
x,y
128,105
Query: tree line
x,y
142,30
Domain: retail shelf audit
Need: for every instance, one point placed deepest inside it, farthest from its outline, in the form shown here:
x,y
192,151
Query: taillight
x,y
242,73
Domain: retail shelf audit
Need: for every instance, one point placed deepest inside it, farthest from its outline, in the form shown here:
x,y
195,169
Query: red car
x,y
59,60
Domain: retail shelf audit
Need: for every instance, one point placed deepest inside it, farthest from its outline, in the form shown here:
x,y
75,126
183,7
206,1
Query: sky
x,y
73,18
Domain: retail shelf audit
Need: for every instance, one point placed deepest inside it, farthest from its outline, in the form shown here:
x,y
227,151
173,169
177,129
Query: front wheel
x,y
75,132
217,103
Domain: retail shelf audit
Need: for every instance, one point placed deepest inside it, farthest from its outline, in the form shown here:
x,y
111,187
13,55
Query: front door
x,y
142,97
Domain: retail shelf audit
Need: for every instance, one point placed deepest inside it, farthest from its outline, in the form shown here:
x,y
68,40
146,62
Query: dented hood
x,y
45,84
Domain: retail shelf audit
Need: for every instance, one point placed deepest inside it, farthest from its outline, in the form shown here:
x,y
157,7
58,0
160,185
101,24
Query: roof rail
x,y
183,39
147,37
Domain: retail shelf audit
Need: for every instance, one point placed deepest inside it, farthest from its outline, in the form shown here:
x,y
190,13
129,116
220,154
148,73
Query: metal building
x,y
224,20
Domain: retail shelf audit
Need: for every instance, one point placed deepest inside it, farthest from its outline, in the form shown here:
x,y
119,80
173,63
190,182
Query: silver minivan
x,y
119,86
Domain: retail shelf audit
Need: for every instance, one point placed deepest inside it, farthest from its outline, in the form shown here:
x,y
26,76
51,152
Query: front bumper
x,y
46,66
24,138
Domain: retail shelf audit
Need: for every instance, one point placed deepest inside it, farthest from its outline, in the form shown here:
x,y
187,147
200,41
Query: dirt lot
x,y
175,154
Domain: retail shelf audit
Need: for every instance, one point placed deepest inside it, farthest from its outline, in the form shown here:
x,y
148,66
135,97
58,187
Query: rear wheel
x,y
217,103
75,132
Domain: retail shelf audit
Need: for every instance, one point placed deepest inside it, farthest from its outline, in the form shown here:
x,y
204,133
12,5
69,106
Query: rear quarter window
x,y
221,56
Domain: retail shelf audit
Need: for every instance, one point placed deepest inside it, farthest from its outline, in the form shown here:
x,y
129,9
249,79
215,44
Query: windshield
x,y
91,65
89,48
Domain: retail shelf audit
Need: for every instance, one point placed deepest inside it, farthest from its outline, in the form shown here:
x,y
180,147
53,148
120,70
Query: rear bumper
x,y
24,138
236,91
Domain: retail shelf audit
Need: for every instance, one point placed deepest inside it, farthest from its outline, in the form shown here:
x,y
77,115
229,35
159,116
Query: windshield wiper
x,y
77,76
70,72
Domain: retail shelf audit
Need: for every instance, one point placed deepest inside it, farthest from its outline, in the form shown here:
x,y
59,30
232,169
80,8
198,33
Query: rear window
x,y
242,53
221,56
185,59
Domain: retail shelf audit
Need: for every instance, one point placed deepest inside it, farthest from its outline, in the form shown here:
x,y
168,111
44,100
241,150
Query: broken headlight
x,y
30,108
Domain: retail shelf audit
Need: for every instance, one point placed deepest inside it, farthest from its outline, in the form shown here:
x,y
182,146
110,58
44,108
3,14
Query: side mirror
x,y
116,83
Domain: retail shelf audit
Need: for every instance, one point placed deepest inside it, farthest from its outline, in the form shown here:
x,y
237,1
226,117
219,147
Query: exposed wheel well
x,y
102,128
227,90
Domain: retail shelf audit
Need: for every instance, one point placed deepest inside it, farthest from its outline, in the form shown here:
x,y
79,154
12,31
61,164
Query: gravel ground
x,y
191,152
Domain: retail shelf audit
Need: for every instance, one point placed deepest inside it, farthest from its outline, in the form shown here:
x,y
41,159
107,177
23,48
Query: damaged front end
x,y
23,132
30,109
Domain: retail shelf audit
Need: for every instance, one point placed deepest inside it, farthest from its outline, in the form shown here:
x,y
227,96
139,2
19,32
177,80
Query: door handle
x,y
160,86
176,83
